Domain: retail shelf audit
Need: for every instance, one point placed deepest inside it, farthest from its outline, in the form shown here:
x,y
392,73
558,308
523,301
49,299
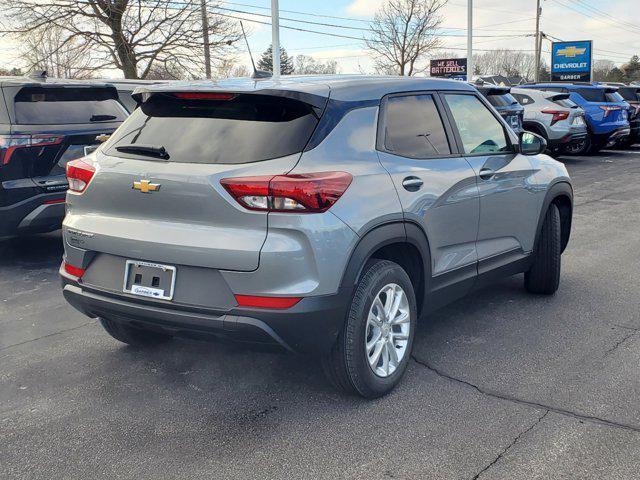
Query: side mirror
x,y
532,143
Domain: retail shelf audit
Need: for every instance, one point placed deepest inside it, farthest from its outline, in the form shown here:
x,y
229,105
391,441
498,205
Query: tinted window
x,y
247,128
598,95
479,130
523,99
501,100
630,94
48,106
413,127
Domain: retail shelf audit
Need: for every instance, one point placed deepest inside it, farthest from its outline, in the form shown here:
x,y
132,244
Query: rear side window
x,y
241,129
68,105
565,102
523,99
480,131
413,127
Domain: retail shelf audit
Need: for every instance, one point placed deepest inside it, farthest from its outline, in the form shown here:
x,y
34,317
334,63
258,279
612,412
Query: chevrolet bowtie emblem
x,y
145,186
571,52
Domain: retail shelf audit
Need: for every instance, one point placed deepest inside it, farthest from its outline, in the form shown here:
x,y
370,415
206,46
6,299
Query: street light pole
x,y
275,39
205,38
470,41
538,42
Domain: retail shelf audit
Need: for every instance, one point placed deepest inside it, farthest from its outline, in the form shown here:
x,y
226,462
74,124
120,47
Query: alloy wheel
x,y
387,330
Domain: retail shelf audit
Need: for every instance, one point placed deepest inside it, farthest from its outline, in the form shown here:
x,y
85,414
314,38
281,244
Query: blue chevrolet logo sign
x,y
571,61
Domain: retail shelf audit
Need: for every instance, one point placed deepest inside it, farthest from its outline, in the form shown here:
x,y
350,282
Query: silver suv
x,y
322,214
554,116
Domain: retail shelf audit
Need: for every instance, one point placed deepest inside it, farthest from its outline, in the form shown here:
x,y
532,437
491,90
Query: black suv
x,y
505,104
44,123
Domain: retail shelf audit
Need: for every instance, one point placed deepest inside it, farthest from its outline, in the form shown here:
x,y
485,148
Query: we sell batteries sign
x,y
571,61
455,68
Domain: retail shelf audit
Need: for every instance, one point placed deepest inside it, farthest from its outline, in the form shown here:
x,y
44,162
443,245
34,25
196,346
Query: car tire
x,y
133,336
544,275
349,364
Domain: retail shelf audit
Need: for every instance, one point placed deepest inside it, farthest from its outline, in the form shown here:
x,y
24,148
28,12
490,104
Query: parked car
x,y
324,214
506,105
44,123
606,112
631,95
555,117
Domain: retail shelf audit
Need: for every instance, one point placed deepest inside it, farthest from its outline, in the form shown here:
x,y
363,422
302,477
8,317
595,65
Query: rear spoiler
x,y
142,94
498,90
556,97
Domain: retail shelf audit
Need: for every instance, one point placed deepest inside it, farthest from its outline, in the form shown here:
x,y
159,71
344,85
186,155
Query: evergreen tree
x,y
632,69
286,62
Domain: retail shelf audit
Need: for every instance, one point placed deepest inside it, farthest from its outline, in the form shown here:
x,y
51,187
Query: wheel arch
x,y
404,243
561,195
535,127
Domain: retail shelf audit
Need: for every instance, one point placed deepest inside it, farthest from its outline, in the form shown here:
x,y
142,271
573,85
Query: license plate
x,y
578,121
152,280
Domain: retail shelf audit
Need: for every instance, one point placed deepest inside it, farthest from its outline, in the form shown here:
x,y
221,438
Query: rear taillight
x,y
301,193
558,115
79,174
607,109
73,270
266,302
10,143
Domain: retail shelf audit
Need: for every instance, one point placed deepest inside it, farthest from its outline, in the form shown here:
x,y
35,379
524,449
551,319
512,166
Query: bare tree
x,y
306,65
133,35
510,63
49,50
403,32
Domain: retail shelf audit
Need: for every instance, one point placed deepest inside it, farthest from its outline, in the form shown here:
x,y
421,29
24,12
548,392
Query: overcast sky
x,y
614,26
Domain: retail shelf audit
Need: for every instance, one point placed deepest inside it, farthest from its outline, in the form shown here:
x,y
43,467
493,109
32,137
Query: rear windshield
x,y
630,94
247,128
48,106
502,100
599,95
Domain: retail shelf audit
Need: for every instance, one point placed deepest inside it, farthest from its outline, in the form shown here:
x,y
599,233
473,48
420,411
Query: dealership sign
x,y
455,68
571,61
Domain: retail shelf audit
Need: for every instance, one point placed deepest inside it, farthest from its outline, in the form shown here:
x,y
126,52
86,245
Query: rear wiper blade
x,y
147,150
102,118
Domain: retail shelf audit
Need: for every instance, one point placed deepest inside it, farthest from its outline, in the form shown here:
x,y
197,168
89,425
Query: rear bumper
x,y
32,215
568,139
311,326
611,138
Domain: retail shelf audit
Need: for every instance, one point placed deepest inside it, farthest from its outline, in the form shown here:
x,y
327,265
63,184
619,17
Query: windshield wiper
x,y
146,150
102,118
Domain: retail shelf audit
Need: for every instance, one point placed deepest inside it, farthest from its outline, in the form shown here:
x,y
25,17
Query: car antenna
x,y
256,73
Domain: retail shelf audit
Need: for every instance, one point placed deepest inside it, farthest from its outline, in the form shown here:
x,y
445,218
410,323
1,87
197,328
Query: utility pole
x,y
275,38
470,41
205,38
538,41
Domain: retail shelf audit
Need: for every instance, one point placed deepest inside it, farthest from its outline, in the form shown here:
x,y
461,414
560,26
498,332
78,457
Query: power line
x,y
341,35
332,25
589,15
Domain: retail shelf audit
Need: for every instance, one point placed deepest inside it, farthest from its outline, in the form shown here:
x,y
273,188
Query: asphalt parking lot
x,y
503,385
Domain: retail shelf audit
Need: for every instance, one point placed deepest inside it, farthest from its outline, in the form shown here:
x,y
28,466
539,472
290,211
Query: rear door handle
x,y
486,173
412,184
